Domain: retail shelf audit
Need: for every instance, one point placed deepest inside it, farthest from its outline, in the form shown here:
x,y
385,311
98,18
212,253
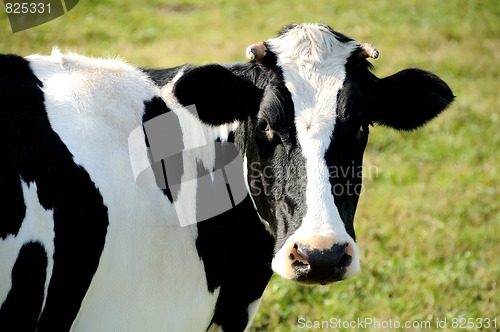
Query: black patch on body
x,y
22,306
236,251
39,156
13,207
153,108
170,168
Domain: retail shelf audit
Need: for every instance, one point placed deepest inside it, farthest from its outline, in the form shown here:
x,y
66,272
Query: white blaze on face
x,y
313,63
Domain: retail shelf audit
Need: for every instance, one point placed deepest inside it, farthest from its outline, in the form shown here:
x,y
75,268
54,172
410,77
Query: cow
x,y
99,234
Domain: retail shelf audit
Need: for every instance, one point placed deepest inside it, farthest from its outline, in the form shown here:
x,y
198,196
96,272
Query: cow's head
x,y
302,108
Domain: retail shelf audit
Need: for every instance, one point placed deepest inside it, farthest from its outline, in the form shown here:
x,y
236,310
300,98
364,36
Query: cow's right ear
x,y
219,95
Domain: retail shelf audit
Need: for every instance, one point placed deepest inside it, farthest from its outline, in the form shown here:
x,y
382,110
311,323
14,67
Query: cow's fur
x,y
84,246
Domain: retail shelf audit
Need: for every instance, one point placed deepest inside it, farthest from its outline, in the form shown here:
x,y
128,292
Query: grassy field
x,y
428,221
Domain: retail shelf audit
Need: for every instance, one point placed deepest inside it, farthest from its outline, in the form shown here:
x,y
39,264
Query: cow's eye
x,y
365,127
263,125
363,131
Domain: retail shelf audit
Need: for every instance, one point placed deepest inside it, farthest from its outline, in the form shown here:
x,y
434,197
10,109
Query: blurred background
x,y
428,220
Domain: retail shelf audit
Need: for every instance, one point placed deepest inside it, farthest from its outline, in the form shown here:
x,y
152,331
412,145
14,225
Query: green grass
x,y
428,222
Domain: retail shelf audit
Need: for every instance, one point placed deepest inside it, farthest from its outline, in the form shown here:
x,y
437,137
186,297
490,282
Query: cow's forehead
x,y
300,44
312,58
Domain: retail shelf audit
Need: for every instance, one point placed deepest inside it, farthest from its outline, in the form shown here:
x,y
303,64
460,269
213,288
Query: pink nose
x,y
313,265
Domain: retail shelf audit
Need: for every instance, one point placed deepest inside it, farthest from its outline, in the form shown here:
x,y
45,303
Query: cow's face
x,y
305,172
303,128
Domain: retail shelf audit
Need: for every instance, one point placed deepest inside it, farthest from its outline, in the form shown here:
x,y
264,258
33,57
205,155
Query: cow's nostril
x,y
296,256
344,261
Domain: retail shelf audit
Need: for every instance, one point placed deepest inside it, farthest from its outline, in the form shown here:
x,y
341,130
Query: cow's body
x,y
84,246
147,271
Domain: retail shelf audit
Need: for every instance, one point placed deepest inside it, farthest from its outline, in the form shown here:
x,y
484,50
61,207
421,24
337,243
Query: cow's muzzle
x,y
320,266
317,260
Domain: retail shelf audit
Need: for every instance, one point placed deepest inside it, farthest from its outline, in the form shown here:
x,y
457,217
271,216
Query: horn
x,y
256,52
368,51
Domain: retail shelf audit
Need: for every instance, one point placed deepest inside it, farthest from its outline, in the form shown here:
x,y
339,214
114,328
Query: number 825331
x,y
27,8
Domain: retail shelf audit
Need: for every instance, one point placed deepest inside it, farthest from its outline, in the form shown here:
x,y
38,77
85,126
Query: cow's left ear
x,y
219,95
408,99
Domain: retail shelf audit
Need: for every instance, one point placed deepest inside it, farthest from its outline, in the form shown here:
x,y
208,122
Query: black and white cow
x,y
85,247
